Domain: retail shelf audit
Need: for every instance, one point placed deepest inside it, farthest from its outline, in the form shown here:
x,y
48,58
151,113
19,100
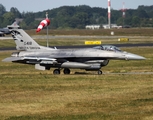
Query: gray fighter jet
x,y
44,58
4,31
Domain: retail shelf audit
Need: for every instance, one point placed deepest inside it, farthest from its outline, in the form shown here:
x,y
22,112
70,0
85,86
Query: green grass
x,y
100,32
76,97
29,94
7,43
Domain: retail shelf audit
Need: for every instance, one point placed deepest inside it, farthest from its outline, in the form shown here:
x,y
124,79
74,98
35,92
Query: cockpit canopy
x,y
108,48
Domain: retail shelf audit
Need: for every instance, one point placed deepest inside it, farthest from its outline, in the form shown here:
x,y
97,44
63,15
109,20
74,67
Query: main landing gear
x,y
65,71
56,71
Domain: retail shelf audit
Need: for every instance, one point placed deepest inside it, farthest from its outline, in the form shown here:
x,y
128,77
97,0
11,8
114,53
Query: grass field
x,y
98,32
29,94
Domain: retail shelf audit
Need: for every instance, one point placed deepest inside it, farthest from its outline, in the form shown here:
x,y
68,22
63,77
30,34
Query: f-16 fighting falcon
x,y
4,31
45,58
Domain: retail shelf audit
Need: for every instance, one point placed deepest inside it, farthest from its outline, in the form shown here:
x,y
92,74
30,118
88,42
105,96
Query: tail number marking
x,y
27,43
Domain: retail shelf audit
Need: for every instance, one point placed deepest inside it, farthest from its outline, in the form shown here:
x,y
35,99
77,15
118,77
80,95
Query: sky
x,y
41,5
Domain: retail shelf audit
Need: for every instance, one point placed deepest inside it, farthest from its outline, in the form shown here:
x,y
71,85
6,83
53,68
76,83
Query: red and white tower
x,y
109,13
123,12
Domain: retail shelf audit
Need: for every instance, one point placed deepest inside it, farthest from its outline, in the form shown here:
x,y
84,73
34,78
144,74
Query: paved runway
x,y
80,37
89,46
117,45
81,46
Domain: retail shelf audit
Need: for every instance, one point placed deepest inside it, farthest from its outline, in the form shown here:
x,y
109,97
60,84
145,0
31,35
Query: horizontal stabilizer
x,y
11,59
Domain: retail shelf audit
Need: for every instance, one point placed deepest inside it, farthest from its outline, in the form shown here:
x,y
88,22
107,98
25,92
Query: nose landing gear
x,y
100,72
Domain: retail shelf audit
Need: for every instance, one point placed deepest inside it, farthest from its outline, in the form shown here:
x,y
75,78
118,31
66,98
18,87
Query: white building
x,y
92,27
106,26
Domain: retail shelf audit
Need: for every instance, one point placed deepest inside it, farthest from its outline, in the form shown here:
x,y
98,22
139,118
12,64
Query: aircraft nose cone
x,y
131,56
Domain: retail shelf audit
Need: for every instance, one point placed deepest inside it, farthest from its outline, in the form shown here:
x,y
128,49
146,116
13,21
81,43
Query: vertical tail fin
x,y
22,39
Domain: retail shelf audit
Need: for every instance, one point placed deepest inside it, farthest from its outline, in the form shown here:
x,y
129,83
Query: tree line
x,y
77,17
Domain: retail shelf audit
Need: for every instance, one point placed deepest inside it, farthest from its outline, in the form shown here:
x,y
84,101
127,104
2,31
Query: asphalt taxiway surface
x,y
80,46
89,46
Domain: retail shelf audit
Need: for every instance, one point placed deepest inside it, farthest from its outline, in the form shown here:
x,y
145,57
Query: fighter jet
x,y
4,31
45,58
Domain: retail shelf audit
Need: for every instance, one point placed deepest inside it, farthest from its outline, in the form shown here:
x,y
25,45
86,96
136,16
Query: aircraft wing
x,y
13,59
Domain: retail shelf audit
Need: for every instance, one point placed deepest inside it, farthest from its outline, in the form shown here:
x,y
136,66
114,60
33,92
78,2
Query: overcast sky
x,y
40,5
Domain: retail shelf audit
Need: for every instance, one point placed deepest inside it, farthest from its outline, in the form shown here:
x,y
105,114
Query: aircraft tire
x,y
100,72
56,72
47,68
66,71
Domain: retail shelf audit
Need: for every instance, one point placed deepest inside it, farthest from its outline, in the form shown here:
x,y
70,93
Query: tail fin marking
x,y
24,41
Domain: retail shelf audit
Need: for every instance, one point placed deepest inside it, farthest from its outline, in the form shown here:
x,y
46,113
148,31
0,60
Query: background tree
x,y
16,12
8,18
78,17
2,10
28,19
136,21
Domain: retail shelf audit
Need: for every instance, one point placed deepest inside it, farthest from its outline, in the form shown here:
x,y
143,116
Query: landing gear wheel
x,y
56,72
100,72
66,71
47,68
